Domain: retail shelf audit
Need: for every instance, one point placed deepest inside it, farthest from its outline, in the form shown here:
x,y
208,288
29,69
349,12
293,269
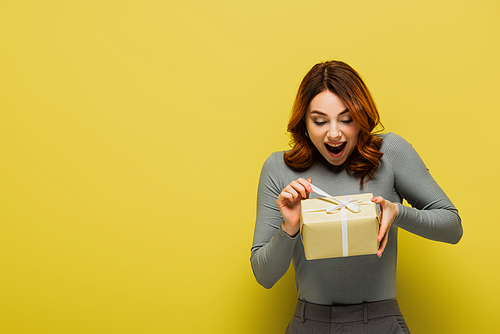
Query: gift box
x,y
339,226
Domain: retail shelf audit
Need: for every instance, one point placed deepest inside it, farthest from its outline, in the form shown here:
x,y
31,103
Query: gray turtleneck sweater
x,y
356,279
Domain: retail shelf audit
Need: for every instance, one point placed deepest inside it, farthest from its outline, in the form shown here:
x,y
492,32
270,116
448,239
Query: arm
x,y
272,248
433,215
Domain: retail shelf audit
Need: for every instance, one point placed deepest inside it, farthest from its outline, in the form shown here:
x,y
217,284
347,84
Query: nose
x,y
334,135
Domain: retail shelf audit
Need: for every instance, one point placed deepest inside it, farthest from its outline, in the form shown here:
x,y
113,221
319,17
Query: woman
x,y
333,147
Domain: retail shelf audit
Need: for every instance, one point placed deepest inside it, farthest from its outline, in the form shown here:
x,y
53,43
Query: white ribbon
x,y
350,204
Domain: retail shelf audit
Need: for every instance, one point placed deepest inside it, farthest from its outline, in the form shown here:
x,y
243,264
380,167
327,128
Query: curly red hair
x,y
343,81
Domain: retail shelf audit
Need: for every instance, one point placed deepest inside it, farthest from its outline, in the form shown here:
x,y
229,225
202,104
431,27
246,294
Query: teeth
x,y
334,145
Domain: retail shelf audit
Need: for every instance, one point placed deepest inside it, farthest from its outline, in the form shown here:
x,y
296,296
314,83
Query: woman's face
x,y
331,128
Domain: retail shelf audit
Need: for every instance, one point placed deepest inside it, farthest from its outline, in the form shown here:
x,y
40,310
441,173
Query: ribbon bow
x,y
351,204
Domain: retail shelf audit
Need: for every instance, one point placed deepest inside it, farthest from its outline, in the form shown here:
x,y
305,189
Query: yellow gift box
x,y
339,226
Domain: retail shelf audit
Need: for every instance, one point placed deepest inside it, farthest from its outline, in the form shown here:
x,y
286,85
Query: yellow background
x,y
132,135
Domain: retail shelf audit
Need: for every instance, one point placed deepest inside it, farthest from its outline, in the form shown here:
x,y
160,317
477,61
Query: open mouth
x,y
335,148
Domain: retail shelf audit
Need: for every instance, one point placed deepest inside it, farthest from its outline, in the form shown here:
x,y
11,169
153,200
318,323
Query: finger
x,y
383,243
284,199
285,196
299,188
307,185
289,189
310,191
383,227
382,232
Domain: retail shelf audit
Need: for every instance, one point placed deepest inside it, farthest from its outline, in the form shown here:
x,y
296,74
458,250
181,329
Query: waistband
x,y
347,313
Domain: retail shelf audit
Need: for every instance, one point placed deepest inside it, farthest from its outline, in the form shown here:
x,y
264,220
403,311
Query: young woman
x,y
333,147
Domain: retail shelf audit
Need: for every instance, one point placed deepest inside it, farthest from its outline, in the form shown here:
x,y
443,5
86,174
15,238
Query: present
x,y
338,226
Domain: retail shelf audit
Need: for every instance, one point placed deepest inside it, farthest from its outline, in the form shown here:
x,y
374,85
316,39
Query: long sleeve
x,y
433,215
272,248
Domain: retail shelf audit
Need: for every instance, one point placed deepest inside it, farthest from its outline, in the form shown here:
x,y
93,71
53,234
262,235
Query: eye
x,y
319,122
346,121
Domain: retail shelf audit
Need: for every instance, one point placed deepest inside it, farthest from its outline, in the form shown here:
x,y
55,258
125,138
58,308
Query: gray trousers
x,y
382,317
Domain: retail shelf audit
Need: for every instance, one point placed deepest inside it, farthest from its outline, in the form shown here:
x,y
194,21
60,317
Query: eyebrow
x,y
323,114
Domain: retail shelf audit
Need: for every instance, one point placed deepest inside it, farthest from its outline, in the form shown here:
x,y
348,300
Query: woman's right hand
x,y
288,203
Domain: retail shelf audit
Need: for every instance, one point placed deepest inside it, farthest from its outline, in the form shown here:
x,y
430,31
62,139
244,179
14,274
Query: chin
x,y
336,161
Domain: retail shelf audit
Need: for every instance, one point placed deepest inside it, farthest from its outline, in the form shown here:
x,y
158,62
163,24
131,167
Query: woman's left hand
x,y
388,212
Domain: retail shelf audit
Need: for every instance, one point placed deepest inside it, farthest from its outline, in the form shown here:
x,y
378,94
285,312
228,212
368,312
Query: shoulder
x,y
398,151
394,145
276,169
274,172
274,162
393,142
275,156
